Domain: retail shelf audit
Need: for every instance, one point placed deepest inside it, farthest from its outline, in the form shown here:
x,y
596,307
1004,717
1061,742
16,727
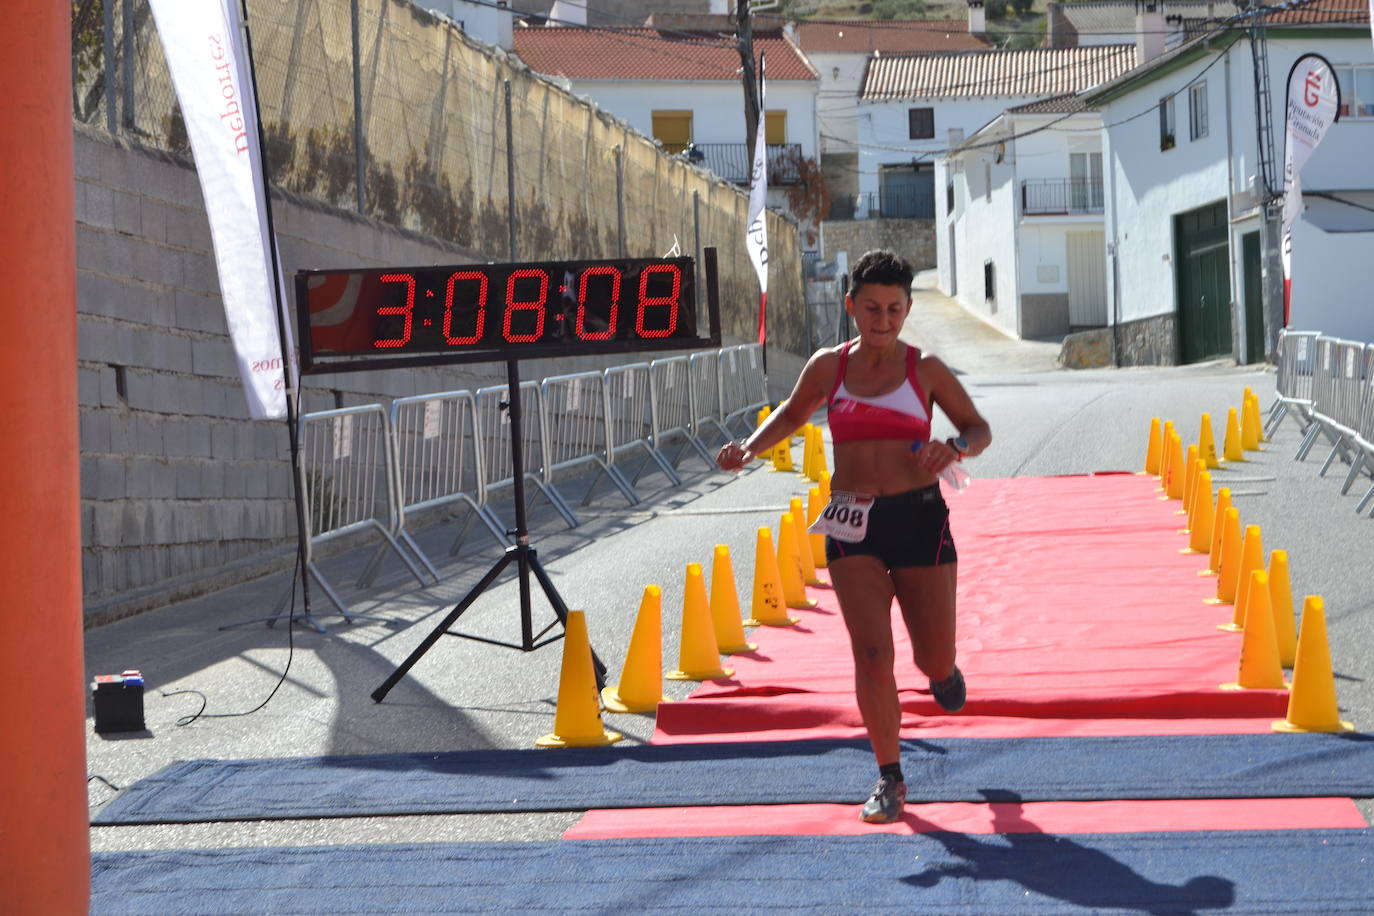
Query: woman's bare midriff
x,y
877,467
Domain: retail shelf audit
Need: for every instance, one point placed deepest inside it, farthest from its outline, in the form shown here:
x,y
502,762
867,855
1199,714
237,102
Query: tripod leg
x,y
561,609
380,693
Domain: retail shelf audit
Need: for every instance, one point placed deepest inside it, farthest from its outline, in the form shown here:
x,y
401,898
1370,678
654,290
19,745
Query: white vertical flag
x,y
203,44
756,232
1313,105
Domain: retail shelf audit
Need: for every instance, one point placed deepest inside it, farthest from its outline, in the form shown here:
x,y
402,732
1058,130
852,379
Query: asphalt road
x,y
468,695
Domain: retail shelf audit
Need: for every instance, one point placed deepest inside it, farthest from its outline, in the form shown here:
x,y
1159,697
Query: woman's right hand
x,y
733,456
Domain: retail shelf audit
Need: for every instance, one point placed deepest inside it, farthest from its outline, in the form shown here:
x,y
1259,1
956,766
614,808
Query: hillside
x,y
1006,27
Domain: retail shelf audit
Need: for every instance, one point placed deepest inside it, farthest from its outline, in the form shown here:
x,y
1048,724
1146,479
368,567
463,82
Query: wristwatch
x,y
959,444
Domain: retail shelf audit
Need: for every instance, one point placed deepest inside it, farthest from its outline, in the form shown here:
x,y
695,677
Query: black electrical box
x,y
118,702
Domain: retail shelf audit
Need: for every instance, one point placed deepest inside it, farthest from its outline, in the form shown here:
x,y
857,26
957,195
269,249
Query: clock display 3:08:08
x,y
587,305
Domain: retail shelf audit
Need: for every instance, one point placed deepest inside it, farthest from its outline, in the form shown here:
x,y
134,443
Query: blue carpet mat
x,y
747,773
1323,871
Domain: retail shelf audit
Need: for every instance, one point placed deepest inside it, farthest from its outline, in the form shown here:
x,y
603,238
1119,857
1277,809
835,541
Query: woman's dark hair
x,y
880,266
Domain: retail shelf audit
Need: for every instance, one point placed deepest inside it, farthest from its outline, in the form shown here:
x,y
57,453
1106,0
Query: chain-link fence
x,y
428,147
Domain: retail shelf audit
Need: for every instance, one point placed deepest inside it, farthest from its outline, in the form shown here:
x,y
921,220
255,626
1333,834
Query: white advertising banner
x,y
756,232
1313,106
202,40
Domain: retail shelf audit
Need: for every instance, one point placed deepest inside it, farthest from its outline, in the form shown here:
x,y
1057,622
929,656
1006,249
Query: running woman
x,y
888,535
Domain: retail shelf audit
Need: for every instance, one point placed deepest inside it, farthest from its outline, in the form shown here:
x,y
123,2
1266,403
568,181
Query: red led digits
x,y
408,310
533,305
581,326
481,320
670,300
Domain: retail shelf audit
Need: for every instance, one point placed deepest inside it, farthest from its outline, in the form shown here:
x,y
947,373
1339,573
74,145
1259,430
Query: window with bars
x,y
1197,111
920,123
1166,122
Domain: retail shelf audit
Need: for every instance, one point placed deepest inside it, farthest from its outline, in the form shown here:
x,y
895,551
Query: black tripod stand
x,y
520,553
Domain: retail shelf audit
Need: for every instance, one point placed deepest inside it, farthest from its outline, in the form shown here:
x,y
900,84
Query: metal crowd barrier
x,y
1364,439
703,371
494,436
742,388
439,461
347,466
671,387
1296,355
631,418
576,427
1323,393
1331,389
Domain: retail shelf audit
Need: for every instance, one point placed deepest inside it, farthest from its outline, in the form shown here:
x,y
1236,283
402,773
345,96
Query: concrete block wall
x,y
913,239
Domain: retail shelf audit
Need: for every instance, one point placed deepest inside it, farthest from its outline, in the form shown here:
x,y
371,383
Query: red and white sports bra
x,y
902,413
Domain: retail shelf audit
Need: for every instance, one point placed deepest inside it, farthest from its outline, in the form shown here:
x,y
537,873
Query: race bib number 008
x,y
846,518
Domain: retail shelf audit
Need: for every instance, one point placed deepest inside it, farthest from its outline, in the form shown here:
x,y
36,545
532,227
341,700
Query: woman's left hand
x,y
935,455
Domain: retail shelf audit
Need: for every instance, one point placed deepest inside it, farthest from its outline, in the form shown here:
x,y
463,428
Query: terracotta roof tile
x,y
1038,71
895,36
578,53
1319,11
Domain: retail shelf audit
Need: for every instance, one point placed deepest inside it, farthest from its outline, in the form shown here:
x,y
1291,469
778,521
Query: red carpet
x,y
1078,616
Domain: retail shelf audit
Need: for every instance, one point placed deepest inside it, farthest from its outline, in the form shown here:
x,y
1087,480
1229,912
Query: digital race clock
x,y
383,317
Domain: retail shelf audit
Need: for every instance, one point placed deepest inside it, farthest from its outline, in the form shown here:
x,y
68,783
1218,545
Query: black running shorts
x,y
905,529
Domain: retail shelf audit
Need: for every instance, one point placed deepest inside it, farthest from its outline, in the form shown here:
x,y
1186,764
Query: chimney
x,y
977,19
1149,30
567,13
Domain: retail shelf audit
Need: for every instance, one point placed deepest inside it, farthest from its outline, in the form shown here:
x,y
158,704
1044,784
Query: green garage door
x,y
1202,263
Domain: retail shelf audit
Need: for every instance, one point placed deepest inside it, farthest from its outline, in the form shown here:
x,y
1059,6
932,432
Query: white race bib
x,y
846,518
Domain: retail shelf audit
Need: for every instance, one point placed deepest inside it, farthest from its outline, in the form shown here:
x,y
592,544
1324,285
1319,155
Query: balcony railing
x,y
734,161
889,203
1061,196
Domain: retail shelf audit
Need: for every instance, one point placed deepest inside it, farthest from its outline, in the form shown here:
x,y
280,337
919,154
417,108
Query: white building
x,y
1191,275
913,109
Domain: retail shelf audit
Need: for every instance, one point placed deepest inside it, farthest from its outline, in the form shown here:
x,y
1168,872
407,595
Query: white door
x,y
1087,278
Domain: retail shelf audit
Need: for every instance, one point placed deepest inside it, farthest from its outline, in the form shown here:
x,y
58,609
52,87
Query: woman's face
x,y
879,310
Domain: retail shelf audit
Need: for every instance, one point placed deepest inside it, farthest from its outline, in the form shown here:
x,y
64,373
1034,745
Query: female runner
x,y
895,538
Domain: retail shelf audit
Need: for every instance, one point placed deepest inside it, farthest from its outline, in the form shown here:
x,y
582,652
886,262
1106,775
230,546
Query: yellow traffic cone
x,y
1189,480
1259,654
818,462
808,562
789,565
807,452
1218,518
767,606
641,680
764,411
1173,487
824,485
1153,448
782,455
698,656
1228,564
1230,448
1259,423
1166,434
1312,702
814,507
1206,445
577,718
725,613
1200,528
1251,559
1249,422
1281,603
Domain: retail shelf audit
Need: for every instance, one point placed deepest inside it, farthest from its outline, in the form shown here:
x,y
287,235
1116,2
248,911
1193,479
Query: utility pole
x,y
744,37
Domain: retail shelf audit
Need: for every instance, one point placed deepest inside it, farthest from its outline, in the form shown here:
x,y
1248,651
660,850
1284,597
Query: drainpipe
x,y
1237,315
1116,261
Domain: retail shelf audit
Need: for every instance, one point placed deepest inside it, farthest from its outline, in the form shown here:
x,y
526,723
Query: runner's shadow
x,y
1057,867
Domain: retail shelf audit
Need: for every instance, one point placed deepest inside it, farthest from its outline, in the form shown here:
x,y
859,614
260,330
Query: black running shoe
x,y
950,693
886,804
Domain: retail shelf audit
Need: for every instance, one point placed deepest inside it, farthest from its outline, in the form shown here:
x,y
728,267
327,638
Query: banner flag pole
x,y
756,232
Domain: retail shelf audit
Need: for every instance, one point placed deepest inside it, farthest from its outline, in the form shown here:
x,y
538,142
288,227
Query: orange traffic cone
x,y
641,680
1173,487
1206,445
814,507
1251,559
824,485
767,606
789,565
577,717
1218,517
1228,564
1153,448
1165,436
818,463
1189,481
698,655
1312,702
725,613
1249,422
1200,527
808,562
782,455
1281,603
1230,448
1259,653
806,449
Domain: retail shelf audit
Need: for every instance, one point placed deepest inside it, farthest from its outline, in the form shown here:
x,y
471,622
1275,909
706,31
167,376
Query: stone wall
x,y
1148,342
913,239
